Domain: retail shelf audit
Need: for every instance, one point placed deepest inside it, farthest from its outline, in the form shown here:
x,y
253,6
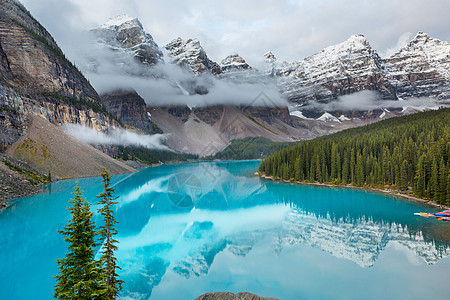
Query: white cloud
x,y
369,100
120,137
401,42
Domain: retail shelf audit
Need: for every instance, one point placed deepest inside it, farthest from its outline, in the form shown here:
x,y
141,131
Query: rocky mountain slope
x,y
31,60
208,130
48,148
233,63
41,88
421,68
36,78
338,70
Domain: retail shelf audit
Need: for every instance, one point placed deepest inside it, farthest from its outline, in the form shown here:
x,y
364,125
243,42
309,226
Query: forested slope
x,y
409,153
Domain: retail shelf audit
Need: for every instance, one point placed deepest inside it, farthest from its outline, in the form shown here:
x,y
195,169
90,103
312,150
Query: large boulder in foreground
x,y
231,296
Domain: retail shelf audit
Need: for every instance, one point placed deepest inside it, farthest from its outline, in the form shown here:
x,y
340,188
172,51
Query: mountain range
x,y
200,105
419,69
313,89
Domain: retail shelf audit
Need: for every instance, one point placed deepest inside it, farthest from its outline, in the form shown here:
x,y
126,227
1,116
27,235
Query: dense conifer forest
x,y
409,153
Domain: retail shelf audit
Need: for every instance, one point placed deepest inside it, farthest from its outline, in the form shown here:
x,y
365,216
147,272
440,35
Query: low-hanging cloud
x,y
119,137
169,84
370,100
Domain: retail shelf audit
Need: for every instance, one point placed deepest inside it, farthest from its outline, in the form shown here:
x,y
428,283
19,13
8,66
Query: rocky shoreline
x,y
13,184
379,190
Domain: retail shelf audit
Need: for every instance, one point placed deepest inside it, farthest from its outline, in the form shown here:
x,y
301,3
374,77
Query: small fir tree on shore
x,y
107,235
81,276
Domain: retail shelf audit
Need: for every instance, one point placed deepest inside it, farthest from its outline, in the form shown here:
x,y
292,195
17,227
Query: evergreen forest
x,y
408,153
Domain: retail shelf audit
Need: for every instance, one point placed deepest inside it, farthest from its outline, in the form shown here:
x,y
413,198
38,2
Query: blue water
x,y
194,228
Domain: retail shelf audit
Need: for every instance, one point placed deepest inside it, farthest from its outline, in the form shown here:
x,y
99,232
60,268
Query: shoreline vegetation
x,y
387,191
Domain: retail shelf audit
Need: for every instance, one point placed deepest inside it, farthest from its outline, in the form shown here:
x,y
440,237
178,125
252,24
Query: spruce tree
x,y
434,181
107,233
403,180
420,185
80,274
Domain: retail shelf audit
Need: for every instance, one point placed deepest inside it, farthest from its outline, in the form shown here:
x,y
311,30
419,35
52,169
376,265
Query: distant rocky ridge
x,y
420,69
208,130
234,62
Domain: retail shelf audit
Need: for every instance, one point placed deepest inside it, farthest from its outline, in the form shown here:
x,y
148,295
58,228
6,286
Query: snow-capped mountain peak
x,y
118,20
424,62
269,57
190,54
233,63
127,34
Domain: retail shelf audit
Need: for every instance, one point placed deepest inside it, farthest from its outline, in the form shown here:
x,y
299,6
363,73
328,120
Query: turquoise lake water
x,y
189,229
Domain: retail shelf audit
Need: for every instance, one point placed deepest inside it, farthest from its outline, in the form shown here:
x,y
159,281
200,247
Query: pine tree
x,y
434,181
80,274
442,182
420,185
107,232
403,180
334,162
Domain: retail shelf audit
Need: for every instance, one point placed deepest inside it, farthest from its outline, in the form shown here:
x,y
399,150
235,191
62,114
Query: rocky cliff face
x,y
131,109
421,68
191,55
127,34
36,78
15,109
33,60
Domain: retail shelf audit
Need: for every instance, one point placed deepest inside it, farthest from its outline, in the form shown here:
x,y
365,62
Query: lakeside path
x,y
379,190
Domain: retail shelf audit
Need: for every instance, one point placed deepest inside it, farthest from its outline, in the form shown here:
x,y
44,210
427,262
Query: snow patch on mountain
x,y
299,114
343,118
327,117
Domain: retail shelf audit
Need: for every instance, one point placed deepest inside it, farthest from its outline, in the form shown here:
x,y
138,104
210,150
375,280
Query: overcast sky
x,y
291,29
